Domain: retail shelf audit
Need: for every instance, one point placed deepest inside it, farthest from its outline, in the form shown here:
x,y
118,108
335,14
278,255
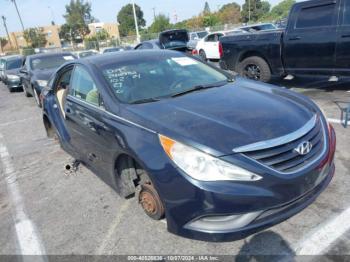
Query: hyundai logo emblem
x,y
303,148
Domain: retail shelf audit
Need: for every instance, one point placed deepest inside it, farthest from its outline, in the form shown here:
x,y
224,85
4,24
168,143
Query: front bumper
x,y
241,209
13,84
263,220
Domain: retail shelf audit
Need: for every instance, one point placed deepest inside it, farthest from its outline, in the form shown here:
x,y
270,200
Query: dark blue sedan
x,y
219,157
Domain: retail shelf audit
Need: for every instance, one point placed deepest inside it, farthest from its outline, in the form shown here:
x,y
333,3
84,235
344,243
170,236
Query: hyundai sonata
x,y
219,157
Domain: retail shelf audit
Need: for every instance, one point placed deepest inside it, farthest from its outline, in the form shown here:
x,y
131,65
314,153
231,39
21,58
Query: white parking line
x,y
324,236
27,237
335,121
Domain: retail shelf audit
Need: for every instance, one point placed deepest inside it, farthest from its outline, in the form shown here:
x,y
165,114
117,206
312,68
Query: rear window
x,y
173,39
202,34
14,63
50,61
318,16
158,77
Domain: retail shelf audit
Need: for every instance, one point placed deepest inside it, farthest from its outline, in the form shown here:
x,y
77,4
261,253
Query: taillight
x,y
194,52
221,50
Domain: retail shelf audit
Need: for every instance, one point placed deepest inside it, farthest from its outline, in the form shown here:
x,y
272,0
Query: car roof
x,y
49,54
11,57
132,55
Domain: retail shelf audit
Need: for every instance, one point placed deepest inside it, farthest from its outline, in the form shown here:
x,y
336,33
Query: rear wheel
x,y
255,68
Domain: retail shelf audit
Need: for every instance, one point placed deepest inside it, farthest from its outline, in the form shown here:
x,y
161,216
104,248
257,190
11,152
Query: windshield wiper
x,y
200,87
146,100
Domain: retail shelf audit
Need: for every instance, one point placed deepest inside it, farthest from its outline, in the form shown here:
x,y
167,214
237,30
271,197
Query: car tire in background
x,y
255,68
36,97
26,92
203,55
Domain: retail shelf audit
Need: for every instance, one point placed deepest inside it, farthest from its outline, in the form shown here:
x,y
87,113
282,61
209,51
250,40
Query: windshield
x,y
264,27
50,61
86,54
202,34
159,77
13,63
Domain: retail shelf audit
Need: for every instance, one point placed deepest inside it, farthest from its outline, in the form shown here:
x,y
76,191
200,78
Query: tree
x,y
78,16
210,20
230,14
102,35
281,10
206,9
257,9
126,21
160,23
35,37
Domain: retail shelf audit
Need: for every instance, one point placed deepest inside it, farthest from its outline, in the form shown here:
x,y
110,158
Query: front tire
x,y
26,94
255,68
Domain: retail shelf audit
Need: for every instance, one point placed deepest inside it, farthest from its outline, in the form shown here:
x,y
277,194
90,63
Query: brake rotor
x,y
150,202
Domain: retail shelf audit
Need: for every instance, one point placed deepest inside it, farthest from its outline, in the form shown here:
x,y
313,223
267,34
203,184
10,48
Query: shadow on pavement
x,y
265,246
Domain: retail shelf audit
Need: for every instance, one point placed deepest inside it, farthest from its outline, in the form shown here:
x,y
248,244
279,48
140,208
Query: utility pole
x,y
19,16
7,32
154,12
52,16
136,25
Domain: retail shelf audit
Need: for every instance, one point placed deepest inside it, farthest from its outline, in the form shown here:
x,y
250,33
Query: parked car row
x,y
208,46
216,155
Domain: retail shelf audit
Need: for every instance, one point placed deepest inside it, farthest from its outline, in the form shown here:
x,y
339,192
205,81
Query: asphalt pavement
x,y
76,213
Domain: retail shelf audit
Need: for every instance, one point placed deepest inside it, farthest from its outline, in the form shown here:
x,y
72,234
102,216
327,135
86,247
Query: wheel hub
x,y
148,202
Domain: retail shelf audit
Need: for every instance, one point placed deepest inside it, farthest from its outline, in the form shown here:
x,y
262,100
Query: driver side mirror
x,y
23,71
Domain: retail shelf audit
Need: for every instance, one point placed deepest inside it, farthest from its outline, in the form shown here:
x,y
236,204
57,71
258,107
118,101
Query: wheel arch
x,y
251,54
136,175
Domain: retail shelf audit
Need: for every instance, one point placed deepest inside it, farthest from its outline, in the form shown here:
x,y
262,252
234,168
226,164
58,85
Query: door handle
x,y
294,38
68,110
345,36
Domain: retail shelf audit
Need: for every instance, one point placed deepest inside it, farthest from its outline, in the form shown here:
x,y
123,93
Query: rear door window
x,y
316,16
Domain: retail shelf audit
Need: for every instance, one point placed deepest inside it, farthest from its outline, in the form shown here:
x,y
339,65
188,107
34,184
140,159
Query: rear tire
x,y
255,68
203,55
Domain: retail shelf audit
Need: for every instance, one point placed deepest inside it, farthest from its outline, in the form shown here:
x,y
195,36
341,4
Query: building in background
x,y
111,28
52,35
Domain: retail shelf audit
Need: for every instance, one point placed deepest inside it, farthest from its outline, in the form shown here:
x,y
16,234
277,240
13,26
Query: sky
x,y
42,12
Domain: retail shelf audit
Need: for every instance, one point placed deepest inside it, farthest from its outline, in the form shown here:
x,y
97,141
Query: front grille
x,y
285,159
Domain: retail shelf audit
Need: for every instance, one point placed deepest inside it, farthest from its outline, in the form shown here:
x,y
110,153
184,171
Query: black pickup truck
x,y
316,42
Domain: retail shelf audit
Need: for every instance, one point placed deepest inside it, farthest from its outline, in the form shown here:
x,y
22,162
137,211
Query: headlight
x,y
41,83
202,166
12,77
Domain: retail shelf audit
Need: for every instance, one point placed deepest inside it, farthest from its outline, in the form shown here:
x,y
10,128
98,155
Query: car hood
x,y
217,120
43,74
